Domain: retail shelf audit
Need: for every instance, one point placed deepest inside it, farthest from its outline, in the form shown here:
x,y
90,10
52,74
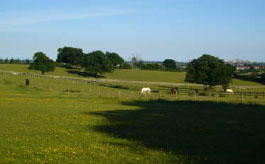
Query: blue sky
x,y
152,29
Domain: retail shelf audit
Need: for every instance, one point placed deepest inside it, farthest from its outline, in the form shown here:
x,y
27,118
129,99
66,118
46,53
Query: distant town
x,y
242,65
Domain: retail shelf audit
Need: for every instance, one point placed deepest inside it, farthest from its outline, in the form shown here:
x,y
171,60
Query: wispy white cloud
x,y
12,20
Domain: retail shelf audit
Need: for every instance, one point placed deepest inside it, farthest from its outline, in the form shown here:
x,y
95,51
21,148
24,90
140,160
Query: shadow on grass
x,y
85,74
206,132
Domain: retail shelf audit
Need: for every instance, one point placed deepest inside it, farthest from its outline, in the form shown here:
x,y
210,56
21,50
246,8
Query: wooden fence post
x,y
195,95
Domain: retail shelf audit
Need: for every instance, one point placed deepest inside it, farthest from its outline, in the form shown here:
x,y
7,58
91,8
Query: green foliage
x,y
254,76
262,77
6,61
153,66
115,59
137,62
96,62
140,64
209,70
14,61
70,56
126,66
42,63
170,65
27,61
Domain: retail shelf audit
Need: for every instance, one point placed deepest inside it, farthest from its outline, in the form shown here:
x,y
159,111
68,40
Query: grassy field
x,y
144,75
64,121
137,75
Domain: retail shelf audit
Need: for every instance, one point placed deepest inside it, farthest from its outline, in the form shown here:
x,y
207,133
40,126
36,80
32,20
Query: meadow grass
x,y
145,75
47,122
65,121
134,75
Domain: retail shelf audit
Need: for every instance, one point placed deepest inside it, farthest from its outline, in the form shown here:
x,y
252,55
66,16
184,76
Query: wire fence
x,y
108,89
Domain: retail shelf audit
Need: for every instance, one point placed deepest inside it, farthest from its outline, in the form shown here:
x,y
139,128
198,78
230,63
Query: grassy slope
x,y
43,124
138,75
144,75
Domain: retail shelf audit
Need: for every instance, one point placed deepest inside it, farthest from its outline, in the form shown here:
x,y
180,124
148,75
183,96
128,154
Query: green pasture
x,y
145,75
134,75
65,121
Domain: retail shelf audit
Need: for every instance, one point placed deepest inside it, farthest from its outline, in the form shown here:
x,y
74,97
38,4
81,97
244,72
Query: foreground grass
x,y
57,121
49,125
135,75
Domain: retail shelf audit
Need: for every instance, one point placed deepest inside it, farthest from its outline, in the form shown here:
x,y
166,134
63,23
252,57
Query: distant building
x,y
259,67
242,68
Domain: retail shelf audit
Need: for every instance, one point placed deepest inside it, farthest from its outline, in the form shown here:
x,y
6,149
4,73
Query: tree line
x,y
166,65
207,69
254,76
14,61
96,62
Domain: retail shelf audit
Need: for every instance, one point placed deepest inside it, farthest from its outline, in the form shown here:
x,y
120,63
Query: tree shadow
x,y
84,74
206,132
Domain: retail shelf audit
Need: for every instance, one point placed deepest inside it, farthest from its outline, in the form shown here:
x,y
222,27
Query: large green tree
x,y
42,63
209,71
70,56
115,59
170,65
97,62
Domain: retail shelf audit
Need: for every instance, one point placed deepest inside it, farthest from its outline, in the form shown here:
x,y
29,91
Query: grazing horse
x,y
146,90
229,91
174,91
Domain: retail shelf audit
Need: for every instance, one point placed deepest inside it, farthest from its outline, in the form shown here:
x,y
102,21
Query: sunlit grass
x,y
56,121
44,124
134,75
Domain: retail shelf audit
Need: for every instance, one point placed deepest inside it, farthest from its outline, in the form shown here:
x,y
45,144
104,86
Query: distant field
x,y
144,75
137,75
24,68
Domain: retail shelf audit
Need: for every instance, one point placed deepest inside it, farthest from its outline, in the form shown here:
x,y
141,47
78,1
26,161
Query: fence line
x,y
187,94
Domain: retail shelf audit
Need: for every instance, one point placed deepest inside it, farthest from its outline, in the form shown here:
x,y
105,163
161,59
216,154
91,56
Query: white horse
x,y
146,90
229,91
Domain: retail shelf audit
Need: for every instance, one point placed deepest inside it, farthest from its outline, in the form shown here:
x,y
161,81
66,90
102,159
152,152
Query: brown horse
x,y
174,91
